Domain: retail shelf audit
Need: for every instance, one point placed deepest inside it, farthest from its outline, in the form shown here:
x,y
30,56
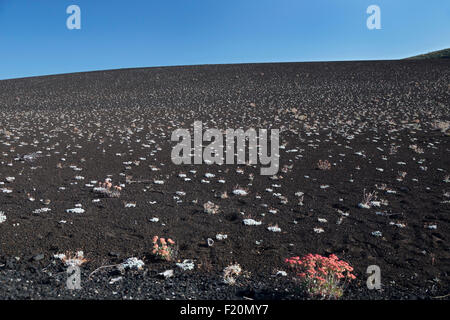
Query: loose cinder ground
x,y
381,126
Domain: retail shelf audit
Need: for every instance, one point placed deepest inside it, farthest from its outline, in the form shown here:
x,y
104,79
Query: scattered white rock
x,y
75,210
130,205
240,192
2,217
274,229
187,264
397,224
251,222
132,263
221,237
377,233
166,274
42,210
114,280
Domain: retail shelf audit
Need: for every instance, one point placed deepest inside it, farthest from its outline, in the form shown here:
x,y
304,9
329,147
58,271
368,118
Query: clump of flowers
x,y
163,249
322,276
324,165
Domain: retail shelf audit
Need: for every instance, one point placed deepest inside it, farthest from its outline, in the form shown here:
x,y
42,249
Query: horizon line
x,y
198,65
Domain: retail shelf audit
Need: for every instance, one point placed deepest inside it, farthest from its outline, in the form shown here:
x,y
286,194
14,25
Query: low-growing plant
x,y
163,249
416,148
368,197
72,259
324,165
108,189
210,208
393,150
401,175
321,276
443,126
205,265
230,273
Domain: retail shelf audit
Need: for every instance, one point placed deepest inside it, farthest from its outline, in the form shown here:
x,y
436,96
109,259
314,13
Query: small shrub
x,y
443,126
416,148
393,150
401,175
324,165
107,189
367,199
205,265
322,276
230,273
210,208
72,259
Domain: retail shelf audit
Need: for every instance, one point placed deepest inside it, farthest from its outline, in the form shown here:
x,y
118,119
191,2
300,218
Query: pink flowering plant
x,y
163,249
322,277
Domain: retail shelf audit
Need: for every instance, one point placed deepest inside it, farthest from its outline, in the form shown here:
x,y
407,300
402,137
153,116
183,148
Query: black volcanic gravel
x,y
382,125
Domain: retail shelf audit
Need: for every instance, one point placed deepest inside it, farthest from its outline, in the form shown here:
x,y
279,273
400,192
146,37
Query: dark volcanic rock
x,y
381,125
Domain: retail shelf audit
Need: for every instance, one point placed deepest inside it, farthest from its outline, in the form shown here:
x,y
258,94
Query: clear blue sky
x,y
34,39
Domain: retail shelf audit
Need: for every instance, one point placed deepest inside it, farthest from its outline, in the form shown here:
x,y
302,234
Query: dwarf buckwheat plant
x,y
106,188
70,259
324,165
164,249
322,276
441,125
230,273
367,199
210,208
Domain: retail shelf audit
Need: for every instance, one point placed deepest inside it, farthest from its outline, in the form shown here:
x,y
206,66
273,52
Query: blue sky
x,y
34,39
